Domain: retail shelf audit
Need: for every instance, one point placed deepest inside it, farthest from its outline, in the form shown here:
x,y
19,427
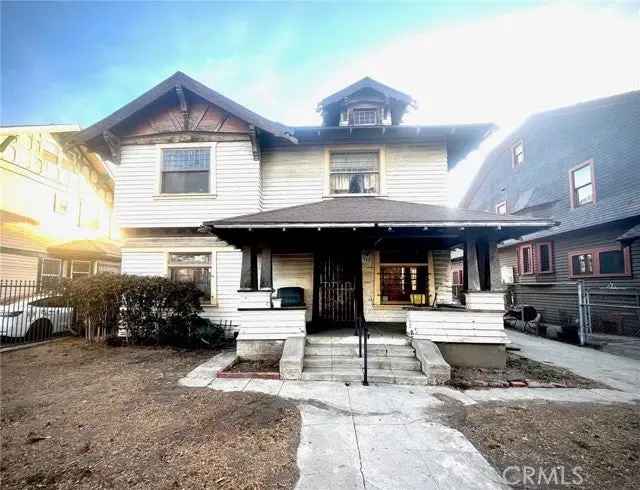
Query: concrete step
x,y
352,350
319,339
353,375
375,362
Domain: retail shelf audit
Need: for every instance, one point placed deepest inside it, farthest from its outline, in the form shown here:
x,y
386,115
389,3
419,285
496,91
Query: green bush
x,y
151,310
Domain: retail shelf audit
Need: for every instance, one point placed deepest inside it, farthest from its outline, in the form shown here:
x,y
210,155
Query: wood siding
x,y
139,205
476,327
558,303
18,267
275,324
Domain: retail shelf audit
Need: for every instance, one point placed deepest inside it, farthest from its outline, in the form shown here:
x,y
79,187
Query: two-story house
x,y
351,211
56,207
579,165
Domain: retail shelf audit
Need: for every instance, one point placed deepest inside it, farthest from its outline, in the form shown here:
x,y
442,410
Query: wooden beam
x,y
184,107
113,142
471,266
266,269
482,247
225,116
184,137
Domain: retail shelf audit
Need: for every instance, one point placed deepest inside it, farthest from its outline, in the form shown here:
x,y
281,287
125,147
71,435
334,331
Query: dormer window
x,y
365,117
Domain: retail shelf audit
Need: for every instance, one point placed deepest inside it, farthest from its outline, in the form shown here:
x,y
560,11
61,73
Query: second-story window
x,y
501,207
517,154
185,170
582,190
364,117
355,172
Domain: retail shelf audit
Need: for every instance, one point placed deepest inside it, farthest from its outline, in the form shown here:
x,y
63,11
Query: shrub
x,y
151,310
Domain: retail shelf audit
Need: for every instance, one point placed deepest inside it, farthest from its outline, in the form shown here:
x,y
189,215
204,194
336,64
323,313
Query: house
x,y
56,207
580,166
351,211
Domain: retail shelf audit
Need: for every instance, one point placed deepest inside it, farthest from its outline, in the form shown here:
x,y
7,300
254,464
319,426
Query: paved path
x,y
617,372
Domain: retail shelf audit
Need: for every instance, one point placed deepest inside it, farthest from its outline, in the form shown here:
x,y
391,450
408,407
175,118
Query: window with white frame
x,y
356,172
192,267
50,272
80,268
517,154
185,170
582,190
365,117
501,208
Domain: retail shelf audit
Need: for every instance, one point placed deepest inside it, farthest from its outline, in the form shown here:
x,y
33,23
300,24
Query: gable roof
x,y
367,82
188,83
105,249
374,211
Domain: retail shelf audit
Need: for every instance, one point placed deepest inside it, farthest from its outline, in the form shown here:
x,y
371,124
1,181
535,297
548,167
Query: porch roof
x,y
369,212
87,249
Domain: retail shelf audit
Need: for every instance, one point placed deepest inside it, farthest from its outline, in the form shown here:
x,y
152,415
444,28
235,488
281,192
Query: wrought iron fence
x,y
33,312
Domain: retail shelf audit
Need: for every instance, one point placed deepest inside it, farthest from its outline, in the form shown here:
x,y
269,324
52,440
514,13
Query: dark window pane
x,y
582,264
612,262
197,275
185,182
545,258
398,283
584,195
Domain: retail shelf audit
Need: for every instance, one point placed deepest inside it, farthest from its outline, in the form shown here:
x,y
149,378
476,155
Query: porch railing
x,y
362,330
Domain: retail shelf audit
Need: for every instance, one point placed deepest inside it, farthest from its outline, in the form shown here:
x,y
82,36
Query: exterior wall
x,y
139,203
559,303
295,270
414,173
480,327
18,267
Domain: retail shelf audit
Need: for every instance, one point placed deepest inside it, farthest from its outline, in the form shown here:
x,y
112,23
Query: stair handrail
x,y
362,330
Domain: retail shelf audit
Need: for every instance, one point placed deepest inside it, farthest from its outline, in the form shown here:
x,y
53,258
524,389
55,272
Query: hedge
x,y
150,310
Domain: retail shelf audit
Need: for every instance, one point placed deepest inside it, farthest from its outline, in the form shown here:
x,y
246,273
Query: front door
x,y
337,289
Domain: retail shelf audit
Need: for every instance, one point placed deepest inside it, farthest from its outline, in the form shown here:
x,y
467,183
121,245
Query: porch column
x,y
471,264
249,271
266,269
494,266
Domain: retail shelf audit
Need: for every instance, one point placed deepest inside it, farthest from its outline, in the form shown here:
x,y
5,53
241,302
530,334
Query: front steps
x,y
336,359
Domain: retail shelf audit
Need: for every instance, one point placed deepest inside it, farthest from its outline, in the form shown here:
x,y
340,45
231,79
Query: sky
x,y
462,61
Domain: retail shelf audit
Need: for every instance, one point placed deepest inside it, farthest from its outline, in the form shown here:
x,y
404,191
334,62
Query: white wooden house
x,y
352,211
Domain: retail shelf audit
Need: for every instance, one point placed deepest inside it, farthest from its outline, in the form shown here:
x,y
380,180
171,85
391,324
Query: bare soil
x,y
520,372
266,366
600,443
79,416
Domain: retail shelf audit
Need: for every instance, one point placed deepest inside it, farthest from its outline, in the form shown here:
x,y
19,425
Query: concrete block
x,y
474,355
257,350
292,358
433,364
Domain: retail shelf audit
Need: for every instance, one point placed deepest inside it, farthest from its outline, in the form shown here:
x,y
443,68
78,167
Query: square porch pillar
x,y
249,271
471,265
266,269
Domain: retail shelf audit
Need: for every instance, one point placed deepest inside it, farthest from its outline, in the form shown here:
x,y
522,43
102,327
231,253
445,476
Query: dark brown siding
x,y
558,303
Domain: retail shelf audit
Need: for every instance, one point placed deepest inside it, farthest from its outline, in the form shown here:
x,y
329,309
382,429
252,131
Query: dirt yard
x,y
520,372
596,446
101,417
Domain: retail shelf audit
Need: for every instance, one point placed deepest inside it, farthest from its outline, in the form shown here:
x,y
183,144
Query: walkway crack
x,y
355,432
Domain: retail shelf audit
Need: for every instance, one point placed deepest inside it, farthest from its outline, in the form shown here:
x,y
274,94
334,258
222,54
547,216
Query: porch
x,y
386,262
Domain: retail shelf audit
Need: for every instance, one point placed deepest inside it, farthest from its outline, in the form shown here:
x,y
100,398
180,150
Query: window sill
x,y
601,276
331,196
182,197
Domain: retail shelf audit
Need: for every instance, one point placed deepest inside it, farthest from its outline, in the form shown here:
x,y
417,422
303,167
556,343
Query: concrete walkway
x,y
617,372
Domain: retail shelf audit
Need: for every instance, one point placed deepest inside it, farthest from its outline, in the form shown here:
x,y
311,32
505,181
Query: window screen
x,y
185,170
545,257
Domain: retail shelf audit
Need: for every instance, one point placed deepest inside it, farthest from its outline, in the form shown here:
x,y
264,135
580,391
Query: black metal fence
x,y
32,312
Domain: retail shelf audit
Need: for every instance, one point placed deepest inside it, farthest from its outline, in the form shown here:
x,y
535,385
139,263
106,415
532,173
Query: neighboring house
x,y
56,207
352,211
579,165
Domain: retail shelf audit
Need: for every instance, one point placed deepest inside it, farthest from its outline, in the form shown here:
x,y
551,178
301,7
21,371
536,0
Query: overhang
x,y
87,249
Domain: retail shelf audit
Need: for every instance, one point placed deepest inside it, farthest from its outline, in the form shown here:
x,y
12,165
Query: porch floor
x,y
379,334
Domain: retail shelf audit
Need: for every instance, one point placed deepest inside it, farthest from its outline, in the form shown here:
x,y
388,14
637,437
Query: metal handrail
x,y
362,331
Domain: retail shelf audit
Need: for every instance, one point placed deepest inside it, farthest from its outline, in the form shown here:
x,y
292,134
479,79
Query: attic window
x,y
582,188
501,208
365,117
